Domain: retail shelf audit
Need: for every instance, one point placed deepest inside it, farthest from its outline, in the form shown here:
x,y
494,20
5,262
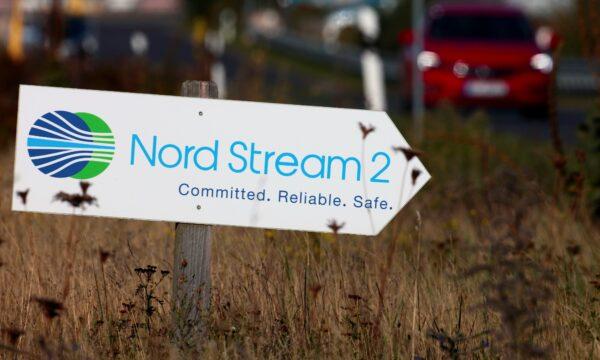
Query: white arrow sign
x,y
211,161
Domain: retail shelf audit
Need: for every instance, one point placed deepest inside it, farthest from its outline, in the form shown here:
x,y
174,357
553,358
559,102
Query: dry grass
x,y
491,268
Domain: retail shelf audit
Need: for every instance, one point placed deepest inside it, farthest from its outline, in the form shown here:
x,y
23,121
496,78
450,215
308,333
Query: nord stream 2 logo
x,y
76,145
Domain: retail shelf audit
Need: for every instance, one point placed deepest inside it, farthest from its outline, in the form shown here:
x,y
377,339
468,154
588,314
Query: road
x,y
324,88
290,79
575,81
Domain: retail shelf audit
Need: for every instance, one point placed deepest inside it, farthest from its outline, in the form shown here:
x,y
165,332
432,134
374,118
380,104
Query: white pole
x,y
417,75
371,64
373,80
215,43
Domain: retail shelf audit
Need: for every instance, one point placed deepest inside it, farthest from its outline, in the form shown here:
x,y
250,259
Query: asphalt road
x,y
303,85
576,83
325,89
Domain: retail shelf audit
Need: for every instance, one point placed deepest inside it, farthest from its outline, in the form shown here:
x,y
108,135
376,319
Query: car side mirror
x,y
405,37
547,39
555,41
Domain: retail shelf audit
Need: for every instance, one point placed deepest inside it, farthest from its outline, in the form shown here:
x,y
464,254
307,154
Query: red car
x,y
482,55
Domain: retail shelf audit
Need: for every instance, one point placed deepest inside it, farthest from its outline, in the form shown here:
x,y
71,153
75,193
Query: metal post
x,y
417,75
191,265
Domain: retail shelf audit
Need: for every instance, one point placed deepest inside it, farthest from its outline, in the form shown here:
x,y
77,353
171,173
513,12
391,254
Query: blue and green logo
x,y
76,145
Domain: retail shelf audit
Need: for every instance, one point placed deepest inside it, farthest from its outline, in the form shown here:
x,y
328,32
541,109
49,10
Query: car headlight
x,y
427,60
542,63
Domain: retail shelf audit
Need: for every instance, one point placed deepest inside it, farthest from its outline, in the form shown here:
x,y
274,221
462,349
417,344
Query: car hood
x,y
495,55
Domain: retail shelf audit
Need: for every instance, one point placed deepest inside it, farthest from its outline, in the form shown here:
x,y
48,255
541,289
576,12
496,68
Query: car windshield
x,y
481,28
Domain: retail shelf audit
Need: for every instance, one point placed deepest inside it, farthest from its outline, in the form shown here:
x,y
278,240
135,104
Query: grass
x,y
485,263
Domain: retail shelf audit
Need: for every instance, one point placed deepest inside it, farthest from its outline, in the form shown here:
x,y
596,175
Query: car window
x,y
481,27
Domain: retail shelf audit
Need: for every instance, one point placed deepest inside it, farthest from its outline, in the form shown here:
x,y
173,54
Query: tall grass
x,y
483,264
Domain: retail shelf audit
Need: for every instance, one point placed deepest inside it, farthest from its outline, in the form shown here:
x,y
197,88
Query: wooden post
x,y
191,265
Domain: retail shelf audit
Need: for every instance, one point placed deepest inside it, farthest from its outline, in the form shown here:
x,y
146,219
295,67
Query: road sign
x,y
211,161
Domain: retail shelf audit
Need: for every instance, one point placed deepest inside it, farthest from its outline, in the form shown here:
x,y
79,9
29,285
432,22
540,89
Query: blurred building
x,y
96,6
84,16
